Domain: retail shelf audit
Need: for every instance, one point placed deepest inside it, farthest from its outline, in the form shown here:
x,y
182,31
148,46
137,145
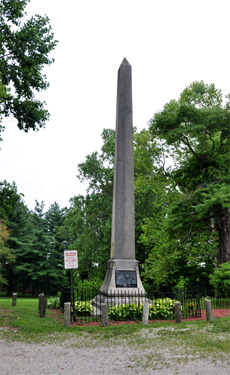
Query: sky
x,y
169,44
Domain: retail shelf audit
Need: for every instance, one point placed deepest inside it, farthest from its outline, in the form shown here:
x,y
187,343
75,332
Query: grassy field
x,y
23,322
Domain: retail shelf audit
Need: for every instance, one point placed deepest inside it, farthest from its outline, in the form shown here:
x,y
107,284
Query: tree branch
x,y
213,143
218,151
3,56
204,139
188,234
186,142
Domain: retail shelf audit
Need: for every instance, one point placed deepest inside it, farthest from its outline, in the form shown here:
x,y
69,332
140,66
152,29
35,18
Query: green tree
x,y
30,243
70,233
54,219
194,131
220,279
38,265
87,225
8,197
6,255
25,45
21,243
39,255
153,190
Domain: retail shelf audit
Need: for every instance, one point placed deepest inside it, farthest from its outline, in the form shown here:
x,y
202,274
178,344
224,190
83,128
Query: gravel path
x,y
75,356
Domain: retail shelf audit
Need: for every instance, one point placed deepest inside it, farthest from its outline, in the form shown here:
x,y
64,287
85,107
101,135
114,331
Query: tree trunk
x,y
224,237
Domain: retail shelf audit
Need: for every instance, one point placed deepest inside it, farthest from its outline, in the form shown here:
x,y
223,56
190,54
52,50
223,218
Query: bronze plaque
x,y
126,279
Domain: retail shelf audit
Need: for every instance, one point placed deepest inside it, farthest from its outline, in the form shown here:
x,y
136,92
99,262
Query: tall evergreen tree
x,y
20,242
6,255
8,197
39,256
54,219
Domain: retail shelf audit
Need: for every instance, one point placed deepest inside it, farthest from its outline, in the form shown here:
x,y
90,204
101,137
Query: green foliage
x,y
192,306
8,198
20,241
182,283
172,263
37,264
126,311
6,255
39,258
194,231
53,219
220,279
83,308
160,308
88,284
53,303
153,191
46,262
24,49
87,289
87,225
181,211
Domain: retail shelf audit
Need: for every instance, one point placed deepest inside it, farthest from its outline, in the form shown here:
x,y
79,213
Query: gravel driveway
x,y
80,354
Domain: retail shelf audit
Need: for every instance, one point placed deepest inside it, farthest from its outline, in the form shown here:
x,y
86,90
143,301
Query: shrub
x,y
87,290
128,311
161,308
158,309
192,306
221,278
53,303
83,308
190,309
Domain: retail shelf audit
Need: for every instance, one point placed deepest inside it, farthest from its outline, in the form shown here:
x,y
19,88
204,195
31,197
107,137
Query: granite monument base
x,y
122,285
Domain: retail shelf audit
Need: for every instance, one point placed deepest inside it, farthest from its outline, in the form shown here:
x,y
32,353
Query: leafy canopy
x,y
25,45
194,133
6,255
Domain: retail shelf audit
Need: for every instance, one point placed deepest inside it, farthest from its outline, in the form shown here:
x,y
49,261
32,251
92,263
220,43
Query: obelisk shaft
x,y
122,277
123,227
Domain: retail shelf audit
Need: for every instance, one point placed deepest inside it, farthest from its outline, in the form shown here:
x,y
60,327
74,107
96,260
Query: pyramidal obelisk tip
x,y
125,62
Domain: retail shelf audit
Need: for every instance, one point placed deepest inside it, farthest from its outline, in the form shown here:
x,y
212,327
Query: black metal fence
x,y
129,306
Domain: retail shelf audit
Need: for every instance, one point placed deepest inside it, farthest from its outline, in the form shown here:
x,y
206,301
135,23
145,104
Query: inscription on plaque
x,y
126,279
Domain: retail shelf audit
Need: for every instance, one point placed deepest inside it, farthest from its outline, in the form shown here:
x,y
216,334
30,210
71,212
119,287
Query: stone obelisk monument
x,y
122,276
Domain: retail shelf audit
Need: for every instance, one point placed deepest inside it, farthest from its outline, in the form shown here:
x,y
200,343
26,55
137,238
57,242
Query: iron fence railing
x,y
129,306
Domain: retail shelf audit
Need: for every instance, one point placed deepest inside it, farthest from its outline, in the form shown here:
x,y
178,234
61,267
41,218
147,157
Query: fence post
x,y
67,314
43,307
208,308
145,315
178,312
14,299
40,297
105,317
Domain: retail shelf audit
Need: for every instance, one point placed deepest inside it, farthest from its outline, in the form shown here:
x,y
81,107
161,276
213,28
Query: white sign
x,y
70,258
